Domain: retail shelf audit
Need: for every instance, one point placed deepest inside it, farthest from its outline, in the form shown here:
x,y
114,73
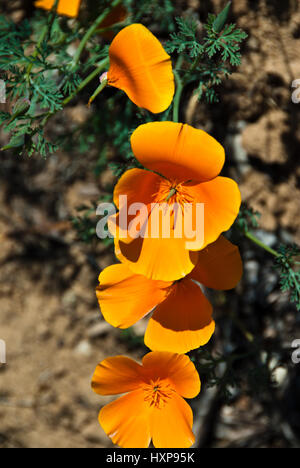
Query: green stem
x,y
195,64
256,241
101,66
44,33
171,194
114,27
98,91
181,82
52,17
177,98
249,337
90,32
36,52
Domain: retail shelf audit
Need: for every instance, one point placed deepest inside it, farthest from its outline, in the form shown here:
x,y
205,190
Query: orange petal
x,y
222,200
178,151
140,67
136,186
178,368
116,375
157,259
125,298
126,421
220,265
65,7
171,426
182,322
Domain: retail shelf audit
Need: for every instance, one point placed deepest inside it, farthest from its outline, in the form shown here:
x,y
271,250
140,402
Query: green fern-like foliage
x,y
36,72
185,40
288,267
211,56
227,42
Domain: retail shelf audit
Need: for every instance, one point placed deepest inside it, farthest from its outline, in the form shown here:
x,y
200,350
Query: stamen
x,y
158,393
172,192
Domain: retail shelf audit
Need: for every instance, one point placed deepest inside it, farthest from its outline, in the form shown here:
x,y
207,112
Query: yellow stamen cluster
x,y
173,192
158,393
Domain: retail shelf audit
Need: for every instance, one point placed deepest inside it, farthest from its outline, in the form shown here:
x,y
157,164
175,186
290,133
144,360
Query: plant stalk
x,y
261,244
90,32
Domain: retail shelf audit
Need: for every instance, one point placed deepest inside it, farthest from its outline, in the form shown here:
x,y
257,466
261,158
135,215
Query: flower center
x,y
157,393
172,192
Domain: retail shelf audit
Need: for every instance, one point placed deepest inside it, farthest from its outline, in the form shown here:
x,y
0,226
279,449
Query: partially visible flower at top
x,y
117,15
182,317
64,7
154,407
189,161
141,68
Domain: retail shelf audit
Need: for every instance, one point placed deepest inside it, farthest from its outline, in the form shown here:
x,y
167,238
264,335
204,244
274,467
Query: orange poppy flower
x,y
154,406
65,7
189,161
140,66
182,317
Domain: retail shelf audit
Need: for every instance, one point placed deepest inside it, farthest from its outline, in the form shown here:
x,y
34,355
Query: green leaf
x,y
4,116
221,19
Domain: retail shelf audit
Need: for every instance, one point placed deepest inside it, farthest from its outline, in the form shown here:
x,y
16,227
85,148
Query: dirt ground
x,y
49,317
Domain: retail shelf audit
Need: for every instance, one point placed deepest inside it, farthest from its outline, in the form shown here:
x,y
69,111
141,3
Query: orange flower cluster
x,y
159,275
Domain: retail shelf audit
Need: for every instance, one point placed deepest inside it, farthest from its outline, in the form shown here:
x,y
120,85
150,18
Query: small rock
x,y
84,348
280,375
92,434
69,299
267,238
240,154
251,271
99,329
